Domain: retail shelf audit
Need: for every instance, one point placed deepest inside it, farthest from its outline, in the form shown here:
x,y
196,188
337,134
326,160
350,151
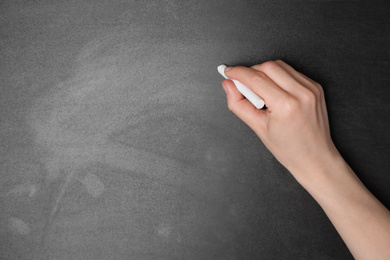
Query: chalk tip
x,y
221,69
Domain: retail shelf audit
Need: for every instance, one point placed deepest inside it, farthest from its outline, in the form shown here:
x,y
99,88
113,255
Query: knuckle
x,y
308,96
290,106
256,67
317,92
319,87
259,77
268,65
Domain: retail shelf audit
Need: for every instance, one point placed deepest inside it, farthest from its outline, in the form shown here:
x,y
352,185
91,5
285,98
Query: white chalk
x,y
245,91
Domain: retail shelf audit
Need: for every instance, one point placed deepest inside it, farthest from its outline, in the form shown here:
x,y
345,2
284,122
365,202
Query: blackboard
x,y
116,141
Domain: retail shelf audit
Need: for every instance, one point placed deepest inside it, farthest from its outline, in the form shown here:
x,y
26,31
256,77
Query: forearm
x,y
361,220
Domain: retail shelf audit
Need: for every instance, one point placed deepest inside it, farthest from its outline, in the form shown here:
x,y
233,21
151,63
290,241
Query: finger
x,y
308,83
280,76
323,111
294,72
241,107
317,85
302,79
259,83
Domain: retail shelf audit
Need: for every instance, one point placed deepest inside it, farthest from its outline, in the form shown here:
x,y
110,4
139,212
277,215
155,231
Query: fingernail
x,y
225,88
228,68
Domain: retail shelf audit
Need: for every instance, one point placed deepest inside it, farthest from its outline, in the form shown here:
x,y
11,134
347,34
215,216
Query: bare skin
x,y
295,128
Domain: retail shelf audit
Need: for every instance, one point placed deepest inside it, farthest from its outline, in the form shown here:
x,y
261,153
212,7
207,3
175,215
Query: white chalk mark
x,y
18,226
93,184
68,180
25,189
73,122
164,231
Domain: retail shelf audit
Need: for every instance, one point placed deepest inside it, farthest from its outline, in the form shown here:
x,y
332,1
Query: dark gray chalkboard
x,y
116,142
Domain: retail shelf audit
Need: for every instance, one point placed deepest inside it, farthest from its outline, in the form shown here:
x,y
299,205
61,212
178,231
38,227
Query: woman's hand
x,y
295,126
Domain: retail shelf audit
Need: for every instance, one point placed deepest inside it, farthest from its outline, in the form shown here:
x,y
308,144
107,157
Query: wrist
x,y
322,169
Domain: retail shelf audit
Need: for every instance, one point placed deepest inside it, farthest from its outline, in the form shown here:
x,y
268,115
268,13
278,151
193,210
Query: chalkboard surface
x,y
116,142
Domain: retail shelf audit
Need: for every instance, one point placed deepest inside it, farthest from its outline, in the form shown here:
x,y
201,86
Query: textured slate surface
x,y
116,142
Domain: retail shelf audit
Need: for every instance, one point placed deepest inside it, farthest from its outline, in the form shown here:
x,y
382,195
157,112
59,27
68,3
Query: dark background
x,y
116,142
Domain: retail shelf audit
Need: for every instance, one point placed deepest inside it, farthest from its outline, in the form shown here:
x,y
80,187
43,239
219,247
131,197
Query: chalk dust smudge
x,y
75,120
18,226
93,184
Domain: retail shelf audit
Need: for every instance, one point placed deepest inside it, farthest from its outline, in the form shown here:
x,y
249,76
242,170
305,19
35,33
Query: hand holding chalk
x,y
294,127
245,91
